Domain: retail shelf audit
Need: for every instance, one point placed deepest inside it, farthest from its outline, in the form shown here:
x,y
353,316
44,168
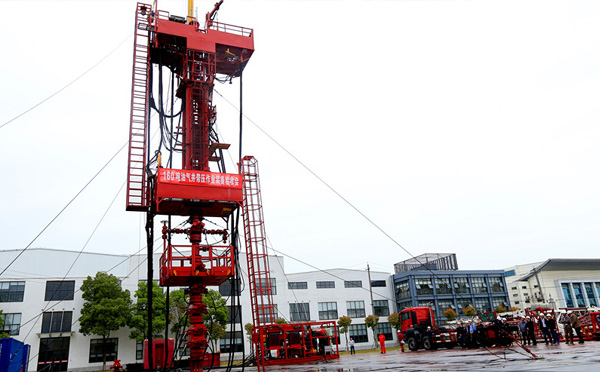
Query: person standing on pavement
x,y
530,332
551,323
401,340
566,322
523,330
543,326
382,343
351,343
576,325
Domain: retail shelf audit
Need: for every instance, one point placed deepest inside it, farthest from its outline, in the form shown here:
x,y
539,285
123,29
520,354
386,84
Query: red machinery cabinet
x,y
158,353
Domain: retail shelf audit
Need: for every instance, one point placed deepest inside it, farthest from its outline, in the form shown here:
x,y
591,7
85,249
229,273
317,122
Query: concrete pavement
x,y
559,358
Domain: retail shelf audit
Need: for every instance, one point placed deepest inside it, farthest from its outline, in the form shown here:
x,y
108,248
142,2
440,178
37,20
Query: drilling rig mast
x,y
196,56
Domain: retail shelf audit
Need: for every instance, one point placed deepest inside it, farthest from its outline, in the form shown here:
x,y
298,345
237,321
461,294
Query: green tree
x,y
216,318
395,321
2,334
179,302
106,307
138,322
450,314
280,321
500,309
469,311
249,327
372,321
344,323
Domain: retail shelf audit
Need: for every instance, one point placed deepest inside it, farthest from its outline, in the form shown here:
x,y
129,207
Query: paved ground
x,y
560,358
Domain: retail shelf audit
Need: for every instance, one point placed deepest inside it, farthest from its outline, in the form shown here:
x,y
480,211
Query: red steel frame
x,y
275,344
195,55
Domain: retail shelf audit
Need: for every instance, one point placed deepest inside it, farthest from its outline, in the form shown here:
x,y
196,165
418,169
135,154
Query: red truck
x,y
420,330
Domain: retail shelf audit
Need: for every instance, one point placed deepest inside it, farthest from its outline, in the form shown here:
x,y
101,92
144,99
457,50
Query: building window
x,y
57,321
404,305
482,305
589,290
513,288
578,294
232,342
567,293
356,309
272,287
12,323
499,301
299,312
497,284
479,285
327,284
524,287
225,288
381,307
54,354
139,350
378,283
442,286
461,285
12,291
358,332
423,303
96,354
402,289
424,287
60,290
462,303
386,329
517,302
328,310
444,305
352,284
234,314
297,285
266,317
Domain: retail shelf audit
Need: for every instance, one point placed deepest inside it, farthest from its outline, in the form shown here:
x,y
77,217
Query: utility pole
x,y
372,305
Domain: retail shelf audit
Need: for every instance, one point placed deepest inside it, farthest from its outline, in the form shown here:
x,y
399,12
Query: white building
x,y
41,303
555,283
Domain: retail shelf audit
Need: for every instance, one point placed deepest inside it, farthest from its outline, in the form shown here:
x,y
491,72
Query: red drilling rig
x,y
185,186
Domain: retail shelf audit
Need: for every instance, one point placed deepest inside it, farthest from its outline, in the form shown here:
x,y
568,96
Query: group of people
x,y
549,328
472,333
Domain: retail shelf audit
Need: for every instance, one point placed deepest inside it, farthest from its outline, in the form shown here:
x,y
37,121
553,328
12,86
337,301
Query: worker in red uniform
x,y
401,340
382,343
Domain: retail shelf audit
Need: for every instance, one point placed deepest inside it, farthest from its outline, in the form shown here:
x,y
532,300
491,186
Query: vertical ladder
x,y
137,188
261,295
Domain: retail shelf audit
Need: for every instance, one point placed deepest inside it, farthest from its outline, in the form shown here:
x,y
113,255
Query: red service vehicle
x,y
420,330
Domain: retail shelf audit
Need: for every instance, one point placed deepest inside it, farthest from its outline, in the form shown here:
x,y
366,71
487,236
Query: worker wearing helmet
x,y
530,332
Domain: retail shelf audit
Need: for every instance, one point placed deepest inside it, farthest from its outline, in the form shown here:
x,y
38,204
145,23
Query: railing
x,y
210,261
231,29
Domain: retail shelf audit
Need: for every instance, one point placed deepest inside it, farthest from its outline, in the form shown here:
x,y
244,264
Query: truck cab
x,y
420,330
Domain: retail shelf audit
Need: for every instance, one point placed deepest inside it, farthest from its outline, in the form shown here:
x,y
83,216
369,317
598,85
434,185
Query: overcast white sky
x,y
455,126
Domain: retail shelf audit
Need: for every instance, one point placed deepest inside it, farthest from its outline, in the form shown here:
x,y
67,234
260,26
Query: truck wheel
x,y
412,344
427,344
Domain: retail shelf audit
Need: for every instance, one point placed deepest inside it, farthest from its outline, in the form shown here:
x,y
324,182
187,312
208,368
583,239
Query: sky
x,y
467,127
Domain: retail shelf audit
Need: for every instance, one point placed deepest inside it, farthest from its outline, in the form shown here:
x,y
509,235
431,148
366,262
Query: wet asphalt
x,y
555,358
